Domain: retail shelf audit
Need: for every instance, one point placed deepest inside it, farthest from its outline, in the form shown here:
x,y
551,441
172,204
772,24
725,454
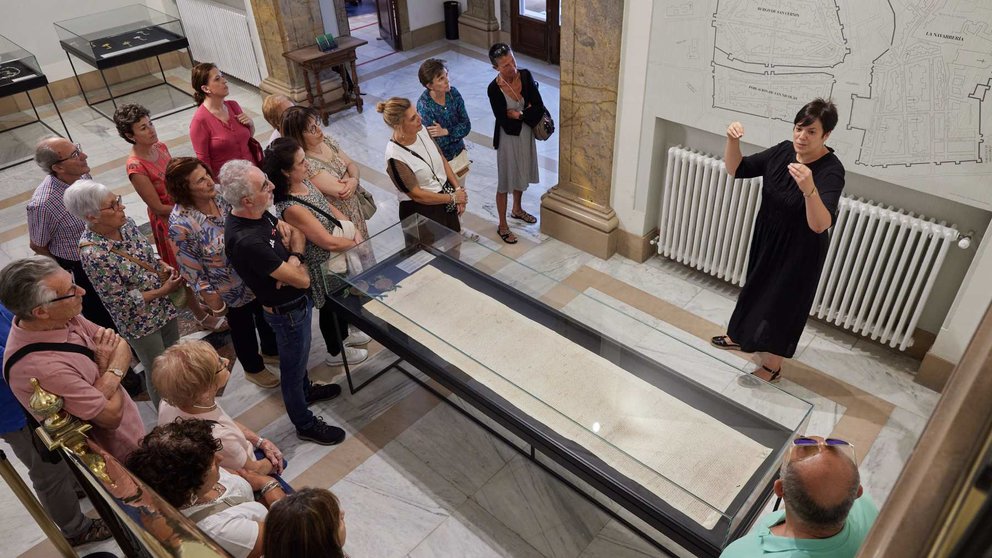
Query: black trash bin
x,y
451,20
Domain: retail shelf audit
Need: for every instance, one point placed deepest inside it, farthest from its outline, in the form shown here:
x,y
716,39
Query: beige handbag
x,y
460,164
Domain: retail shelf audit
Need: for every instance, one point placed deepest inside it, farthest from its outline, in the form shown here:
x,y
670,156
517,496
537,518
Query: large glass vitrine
x,y
20,73
668,435
109,39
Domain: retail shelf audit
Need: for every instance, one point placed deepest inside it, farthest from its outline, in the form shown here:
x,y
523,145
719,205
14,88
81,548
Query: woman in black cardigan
x,y
516,101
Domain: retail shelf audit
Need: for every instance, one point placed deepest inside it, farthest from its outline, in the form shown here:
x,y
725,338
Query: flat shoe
x,y
508,236
98,531
524,216
724,342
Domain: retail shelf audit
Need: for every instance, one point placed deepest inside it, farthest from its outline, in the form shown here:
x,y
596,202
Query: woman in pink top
x,y
146,171
220,130
189,377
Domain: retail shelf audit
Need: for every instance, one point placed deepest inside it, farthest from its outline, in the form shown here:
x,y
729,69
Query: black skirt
x,y
436,213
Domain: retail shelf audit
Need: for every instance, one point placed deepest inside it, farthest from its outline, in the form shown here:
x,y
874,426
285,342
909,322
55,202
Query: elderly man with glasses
x,y
826,513
51,229
80,361
267,254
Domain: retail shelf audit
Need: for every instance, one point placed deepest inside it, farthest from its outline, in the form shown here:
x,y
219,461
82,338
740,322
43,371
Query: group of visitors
x,y
241,237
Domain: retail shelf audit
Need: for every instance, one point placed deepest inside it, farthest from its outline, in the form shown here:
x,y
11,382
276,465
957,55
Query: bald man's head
x,y
820,490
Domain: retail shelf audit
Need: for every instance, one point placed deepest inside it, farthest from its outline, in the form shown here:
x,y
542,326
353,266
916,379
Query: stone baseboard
x,y
934,372
588,227
636,247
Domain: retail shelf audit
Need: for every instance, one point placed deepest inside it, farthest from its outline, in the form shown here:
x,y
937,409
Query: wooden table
x,y
341,59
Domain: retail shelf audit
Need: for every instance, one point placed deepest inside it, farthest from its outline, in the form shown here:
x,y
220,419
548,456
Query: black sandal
x,y
776,374
724,342
506,236
524,216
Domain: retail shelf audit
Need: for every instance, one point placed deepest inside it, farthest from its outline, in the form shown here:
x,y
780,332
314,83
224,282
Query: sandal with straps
x,y
776,374
524,216
508,236
724,342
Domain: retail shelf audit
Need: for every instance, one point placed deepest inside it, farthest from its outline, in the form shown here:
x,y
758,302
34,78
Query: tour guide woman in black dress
x,y
802,183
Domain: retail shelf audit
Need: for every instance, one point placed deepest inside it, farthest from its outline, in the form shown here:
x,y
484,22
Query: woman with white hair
x,y
133,283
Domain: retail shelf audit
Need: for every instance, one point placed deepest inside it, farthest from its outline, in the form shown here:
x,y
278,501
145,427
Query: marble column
x,y
285,25
577,210
478,25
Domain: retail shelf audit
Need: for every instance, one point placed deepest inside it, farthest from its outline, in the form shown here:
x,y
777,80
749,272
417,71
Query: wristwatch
x,y
116,372
298,255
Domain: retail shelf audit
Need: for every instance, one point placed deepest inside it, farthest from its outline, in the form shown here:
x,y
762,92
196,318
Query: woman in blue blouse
x,y
443,111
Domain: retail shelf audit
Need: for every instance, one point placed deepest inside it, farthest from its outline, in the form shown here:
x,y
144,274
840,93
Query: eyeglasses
x,y
74,155
72,292
223,364
114,205
804,447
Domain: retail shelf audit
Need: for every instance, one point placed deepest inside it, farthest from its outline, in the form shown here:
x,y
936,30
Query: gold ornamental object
x,y
62,430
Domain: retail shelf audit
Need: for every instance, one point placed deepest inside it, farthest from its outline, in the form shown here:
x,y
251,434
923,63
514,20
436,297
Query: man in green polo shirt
x,y
825,515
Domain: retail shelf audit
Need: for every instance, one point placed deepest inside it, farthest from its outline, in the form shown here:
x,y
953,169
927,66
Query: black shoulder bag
x,y
47,455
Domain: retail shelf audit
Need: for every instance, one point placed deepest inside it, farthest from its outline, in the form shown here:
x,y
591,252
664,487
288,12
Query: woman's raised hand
x,y
735,131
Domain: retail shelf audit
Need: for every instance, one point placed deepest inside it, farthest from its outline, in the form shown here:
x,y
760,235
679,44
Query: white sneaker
x,y
356,337
354,356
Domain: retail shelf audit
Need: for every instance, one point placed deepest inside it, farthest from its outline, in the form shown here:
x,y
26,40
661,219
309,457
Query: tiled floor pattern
x,y
418,478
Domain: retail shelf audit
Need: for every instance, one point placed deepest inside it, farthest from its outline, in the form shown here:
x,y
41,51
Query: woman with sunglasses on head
x,y
134,284
190,376
328,167
327,229
146,171
518,107
220,130
196,226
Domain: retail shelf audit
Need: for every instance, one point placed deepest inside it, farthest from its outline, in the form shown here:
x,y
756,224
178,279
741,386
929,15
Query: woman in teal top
x,y
443,111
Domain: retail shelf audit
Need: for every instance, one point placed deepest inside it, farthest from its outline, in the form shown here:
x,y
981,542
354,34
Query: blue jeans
x,y
293,338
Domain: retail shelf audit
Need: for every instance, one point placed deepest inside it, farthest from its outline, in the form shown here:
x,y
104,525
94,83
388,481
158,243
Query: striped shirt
x,y
50,225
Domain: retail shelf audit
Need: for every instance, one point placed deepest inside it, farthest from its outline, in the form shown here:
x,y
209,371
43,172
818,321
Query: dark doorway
x,y
536,28
389,23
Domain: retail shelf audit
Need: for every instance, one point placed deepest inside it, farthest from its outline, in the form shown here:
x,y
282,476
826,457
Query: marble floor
x,y
419,479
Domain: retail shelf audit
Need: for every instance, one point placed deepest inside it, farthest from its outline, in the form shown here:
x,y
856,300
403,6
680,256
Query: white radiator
x,y
220,34
880,267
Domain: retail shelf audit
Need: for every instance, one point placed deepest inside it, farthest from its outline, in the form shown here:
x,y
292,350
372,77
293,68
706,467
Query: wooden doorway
x,y
535,28
389,22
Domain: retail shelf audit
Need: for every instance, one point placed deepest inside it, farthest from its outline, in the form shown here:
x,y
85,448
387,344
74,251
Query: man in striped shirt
x,y
53,231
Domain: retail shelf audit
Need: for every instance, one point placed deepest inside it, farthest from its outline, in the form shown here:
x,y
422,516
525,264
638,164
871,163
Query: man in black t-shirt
x,y
266,253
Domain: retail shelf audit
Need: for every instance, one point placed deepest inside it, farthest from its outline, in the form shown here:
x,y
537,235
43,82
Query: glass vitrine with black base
x,y
669,435
120,36
21,73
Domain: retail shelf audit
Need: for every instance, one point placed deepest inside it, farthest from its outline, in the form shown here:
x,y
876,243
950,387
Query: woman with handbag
x,y
146,171
220,131
327,230
517,107
196,226
139,290
442,109
426,183
329,168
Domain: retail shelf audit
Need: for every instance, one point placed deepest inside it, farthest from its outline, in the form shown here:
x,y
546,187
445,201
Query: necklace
x,y
194,500
209,407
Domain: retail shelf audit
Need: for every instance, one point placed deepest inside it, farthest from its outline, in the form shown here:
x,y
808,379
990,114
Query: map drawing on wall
x,y
910,78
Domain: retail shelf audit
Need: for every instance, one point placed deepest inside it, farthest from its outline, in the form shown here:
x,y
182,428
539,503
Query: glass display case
x,y
115,37
661,430
19,69
20,73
